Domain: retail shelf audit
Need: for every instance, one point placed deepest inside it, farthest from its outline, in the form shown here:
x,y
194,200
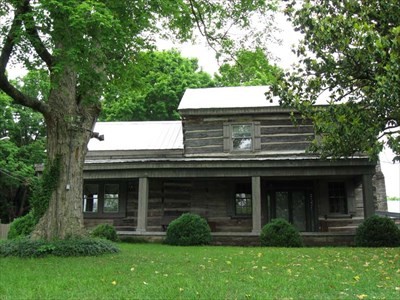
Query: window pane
x,y
240,131
337,197
243,204
242,137
282,205
241,144
90,197
111,198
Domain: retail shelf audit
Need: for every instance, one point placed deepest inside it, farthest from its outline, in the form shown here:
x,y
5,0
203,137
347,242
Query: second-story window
x,y
242,137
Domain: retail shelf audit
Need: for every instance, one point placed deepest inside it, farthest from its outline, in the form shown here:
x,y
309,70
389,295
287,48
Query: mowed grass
x,y
158,271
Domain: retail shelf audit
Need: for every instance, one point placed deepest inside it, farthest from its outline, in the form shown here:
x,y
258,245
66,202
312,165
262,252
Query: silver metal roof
x,y
226,97
154,135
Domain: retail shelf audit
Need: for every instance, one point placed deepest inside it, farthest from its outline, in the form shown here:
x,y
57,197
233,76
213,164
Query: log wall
x,y
204,136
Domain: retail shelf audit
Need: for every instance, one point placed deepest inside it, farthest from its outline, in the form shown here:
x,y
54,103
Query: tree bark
x,y
69,129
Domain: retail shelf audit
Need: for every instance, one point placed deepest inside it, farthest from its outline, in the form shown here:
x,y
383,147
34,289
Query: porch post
x,y
143,201
368,197
256,205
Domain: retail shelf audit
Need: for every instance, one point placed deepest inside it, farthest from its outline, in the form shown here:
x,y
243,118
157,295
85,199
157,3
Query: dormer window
x,y
242,137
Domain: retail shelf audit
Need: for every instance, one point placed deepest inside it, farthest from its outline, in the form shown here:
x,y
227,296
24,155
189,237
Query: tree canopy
x,y
250,67
84,45
350,56
153,84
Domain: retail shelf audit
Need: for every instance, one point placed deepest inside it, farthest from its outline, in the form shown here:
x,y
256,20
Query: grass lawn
x,y
142,271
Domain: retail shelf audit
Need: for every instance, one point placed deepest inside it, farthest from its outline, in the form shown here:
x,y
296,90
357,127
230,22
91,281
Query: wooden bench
x,y
334,220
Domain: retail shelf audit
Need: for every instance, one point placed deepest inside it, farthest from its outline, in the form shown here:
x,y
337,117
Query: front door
x,y
293,205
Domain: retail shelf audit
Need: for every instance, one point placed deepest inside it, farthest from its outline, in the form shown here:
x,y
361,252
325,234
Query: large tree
x,y
350,56
153,84
83,44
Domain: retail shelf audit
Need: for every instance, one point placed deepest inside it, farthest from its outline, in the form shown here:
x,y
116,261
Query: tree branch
x,y
5,85
33,35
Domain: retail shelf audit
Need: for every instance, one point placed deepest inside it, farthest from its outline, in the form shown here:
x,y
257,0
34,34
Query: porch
x,y
325,200
310,239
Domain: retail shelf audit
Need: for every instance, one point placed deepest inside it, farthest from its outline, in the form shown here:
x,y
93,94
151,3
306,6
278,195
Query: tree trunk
x,y
69,128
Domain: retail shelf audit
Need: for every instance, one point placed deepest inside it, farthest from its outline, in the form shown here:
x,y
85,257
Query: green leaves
x,y
250,68
349,53
152,87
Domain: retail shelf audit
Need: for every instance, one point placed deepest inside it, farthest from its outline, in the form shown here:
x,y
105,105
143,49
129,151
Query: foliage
x,y
251,68
152,86
22,226
68,247
105,231
44,189
349,56
280,233
153,271
23,148
188,230
378,231
393,198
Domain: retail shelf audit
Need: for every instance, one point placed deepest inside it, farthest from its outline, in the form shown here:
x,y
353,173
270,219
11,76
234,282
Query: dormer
x,y
239,121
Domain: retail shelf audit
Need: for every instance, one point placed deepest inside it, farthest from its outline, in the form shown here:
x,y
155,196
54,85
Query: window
x,y
242,137
103,199
337,198
111,198
243,200
90,198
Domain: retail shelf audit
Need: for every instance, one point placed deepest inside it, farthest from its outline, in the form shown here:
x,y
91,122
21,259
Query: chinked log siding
x,y
274,133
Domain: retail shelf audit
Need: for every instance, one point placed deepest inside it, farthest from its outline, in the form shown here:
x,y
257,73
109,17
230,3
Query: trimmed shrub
x,y
188,230
105,231
22,227
377,231
280,233
69,247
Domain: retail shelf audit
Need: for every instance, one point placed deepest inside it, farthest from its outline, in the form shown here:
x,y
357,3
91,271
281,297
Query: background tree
x,y
250,68
22,147
153,85
349,55
83,44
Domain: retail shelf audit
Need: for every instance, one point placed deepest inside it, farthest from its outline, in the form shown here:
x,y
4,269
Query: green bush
x,y
105,231
22,227
377,231
69,247
280,233
188,230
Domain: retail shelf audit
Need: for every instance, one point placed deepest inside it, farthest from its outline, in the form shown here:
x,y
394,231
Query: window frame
x,y
233,138
101,211
243,191
229,138
334,199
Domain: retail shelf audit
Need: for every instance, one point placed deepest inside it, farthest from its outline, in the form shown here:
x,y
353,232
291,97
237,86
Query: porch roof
x,y
147,135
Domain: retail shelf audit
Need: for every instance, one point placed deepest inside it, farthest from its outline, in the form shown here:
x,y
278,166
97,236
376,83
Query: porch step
x,y
348,228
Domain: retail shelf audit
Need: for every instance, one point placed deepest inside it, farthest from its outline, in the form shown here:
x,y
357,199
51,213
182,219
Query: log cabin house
x,y
234,158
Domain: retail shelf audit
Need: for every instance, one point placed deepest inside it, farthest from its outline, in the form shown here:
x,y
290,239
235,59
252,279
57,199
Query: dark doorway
x,y
292,201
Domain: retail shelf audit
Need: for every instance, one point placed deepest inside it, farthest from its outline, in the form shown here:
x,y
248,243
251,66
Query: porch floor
x,y
310,239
